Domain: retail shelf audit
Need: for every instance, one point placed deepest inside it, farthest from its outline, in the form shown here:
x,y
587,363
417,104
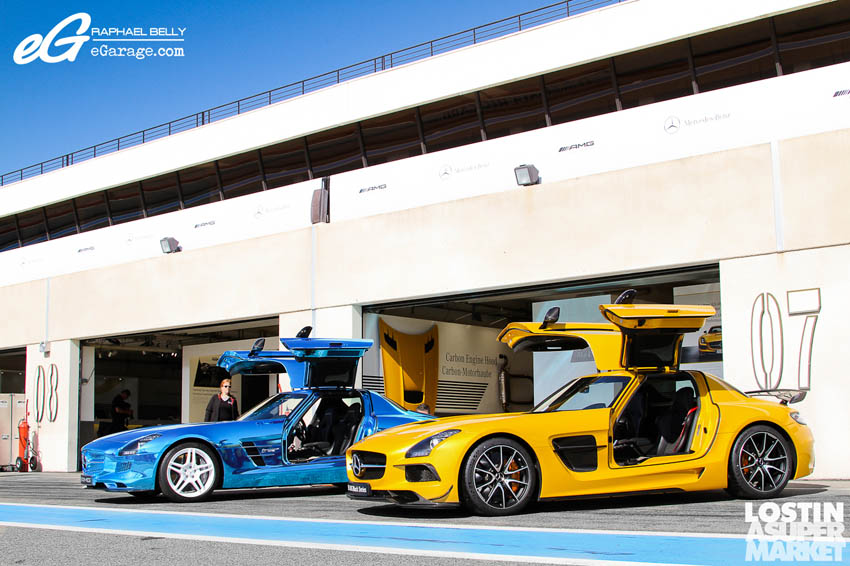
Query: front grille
x,y
372,464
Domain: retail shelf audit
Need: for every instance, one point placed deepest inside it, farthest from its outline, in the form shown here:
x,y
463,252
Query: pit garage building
x,y
695,151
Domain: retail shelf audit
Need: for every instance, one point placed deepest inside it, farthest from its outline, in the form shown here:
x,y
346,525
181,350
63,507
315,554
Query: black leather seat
x,y
320,431
345,430
676,426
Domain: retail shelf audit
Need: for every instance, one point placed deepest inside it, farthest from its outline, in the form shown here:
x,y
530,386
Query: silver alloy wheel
x,y
191,472
501,476
763,461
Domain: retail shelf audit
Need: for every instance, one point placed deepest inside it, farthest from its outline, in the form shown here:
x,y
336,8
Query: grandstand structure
x,y
695,151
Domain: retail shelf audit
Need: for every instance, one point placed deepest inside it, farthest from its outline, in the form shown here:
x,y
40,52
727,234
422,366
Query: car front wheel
x,y
761,463
498,478
188,472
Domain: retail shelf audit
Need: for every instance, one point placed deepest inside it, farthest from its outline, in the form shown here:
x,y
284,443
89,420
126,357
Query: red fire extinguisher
x,y
26,458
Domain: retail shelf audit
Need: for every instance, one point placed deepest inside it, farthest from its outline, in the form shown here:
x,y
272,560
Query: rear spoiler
x,y
785,396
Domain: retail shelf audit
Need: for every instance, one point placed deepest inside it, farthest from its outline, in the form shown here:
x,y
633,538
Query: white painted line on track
x,y
339,547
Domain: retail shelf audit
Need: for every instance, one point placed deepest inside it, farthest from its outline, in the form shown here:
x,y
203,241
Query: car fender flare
x,y
513,437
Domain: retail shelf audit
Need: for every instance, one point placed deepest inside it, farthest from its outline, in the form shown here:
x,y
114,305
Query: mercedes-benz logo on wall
x,y
672,125
356,465
445,172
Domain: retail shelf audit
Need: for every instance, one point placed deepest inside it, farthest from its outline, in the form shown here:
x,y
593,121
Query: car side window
x,y
587,393
276,407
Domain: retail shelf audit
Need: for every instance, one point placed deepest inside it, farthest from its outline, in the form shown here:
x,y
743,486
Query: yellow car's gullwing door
x,y
603,339
652,334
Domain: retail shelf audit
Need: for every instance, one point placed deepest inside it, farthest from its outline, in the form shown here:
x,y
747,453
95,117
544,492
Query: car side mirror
x,y
257,347
304,332
552,316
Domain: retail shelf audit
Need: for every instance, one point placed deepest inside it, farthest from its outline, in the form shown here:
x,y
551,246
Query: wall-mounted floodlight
x,y
527,175
170,245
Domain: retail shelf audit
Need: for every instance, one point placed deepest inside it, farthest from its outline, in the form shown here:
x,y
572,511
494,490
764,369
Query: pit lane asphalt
x,y
700,513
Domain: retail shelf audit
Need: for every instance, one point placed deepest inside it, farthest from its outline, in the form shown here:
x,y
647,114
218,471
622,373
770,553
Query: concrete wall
x,y
821,273
54,404
690,211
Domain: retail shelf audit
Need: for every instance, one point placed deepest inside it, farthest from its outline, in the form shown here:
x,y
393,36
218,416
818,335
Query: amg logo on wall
x,y
576,146
373,188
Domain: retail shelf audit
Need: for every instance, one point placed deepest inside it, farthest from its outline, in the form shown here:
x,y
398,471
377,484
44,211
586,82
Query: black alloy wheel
x,y
761,463
499,478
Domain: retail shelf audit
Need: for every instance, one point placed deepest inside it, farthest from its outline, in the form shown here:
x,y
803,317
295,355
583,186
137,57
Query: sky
x,y
231,50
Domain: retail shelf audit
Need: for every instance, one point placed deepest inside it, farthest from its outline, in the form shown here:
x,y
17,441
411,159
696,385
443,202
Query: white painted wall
x,y
742,280
54,411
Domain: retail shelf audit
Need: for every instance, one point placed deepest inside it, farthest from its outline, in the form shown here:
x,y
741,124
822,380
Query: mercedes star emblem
x,y
672,125
356,465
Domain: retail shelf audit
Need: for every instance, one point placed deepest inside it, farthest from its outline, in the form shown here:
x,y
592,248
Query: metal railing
x,y
445,44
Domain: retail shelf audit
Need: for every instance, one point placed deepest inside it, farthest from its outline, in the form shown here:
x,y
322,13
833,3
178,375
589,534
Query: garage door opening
x,y
444,351
166,373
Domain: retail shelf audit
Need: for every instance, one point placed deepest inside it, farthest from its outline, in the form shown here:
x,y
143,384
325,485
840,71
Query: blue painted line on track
x,y
620,547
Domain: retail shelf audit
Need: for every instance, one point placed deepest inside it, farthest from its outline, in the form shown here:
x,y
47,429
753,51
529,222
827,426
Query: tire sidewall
x,y
162,472
738,482
470,497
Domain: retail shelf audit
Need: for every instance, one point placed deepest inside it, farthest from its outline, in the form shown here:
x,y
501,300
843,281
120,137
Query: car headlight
x,y
796,416
136,445
424,447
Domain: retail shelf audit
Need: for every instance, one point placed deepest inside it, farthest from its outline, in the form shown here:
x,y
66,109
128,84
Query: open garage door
x,y
163,375
474,373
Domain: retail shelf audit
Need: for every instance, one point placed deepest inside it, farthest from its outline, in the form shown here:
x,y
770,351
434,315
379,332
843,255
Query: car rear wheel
x,y
188,472
761,463
498,478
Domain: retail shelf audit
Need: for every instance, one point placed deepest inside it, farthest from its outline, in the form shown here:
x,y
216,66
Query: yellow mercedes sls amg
x,y
712,341
638,424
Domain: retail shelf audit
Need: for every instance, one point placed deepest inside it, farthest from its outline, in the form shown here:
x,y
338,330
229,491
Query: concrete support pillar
x,y
87,419
334,322
53,394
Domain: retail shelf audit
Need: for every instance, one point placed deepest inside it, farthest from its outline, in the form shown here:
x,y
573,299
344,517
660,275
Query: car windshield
x,y
275,407
598,392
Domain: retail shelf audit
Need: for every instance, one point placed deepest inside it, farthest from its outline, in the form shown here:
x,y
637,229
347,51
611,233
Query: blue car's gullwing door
x,y
322,362
310,362
261,363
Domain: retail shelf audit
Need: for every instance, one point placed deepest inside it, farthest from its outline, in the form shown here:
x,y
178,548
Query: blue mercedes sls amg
x,y
293,438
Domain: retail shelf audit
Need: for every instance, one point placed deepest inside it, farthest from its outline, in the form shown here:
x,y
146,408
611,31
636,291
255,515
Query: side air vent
x,y
253,453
